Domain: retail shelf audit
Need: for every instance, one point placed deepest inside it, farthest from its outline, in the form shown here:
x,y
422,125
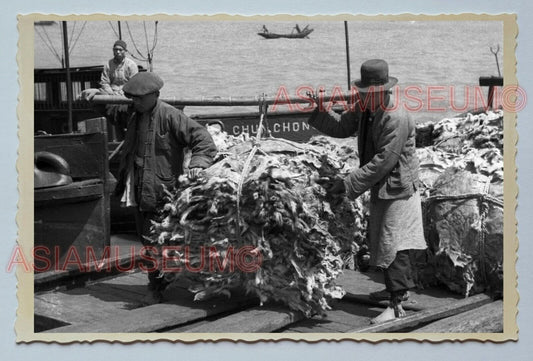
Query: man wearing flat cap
x,y
389,168
153,153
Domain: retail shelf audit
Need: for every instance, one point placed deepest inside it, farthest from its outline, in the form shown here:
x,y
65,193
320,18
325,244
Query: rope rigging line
x,y
49,44
155,38
150,55
112,28
134,45
146,38
77,38
72,34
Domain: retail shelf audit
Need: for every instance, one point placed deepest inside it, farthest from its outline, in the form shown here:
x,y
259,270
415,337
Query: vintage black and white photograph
x,y
307,178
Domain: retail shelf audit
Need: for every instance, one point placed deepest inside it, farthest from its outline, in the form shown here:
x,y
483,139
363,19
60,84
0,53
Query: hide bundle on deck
x,y
271,202
305,238
462,189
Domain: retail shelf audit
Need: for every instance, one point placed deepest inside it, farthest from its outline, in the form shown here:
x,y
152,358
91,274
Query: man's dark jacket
x,y
170,132
387,153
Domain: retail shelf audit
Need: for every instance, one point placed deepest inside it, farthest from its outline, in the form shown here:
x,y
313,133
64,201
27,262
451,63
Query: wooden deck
x,y
115,304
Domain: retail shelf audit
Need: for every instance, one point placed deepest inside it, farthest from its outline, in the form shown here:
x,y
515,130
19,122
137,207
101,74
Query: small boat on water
x,y
298,34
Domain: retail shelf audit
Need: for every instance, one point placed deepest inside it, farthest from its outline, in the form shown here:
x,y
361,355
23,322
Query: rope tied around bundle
x,y
484,200
484,197
263,108
484,209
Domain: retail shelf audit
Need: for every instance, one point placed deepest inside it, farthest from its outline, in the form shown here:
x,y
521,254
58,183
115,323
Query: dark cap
x,y
142,83
121,43
375,77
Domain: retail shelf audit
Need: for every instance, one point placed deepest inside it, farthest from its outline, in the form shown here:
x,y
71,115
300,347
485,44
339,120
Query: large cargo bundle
x,y
462,189
263,197
465,231
268,197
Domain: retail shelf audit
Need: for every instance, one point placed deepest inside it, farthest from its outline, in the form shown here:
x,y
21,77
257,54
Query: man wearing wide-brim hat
x,y
389,169
152,157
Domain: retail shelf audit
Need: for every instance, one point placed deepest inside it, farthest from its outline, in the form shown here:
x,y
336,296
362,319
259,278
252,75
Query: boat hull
x,y
300,35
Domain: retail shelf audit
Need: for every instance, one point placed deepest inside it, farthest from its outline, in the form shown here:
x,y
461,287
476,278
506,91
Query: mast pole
x,y
69,81
347,53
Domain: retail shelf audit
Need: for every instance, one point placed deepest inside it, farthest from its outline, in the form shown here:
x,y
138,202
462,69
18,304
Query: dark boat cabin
x,y
50,97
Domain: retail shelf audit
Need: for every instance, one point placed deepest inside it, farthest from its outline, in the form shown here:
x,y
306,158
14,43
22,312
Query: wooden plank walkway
x,y
124,252
115,304
488,318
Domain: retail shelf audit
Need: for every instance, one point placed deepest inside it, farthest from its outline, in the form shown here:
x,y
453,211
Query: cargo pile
x,y
269,198
462,190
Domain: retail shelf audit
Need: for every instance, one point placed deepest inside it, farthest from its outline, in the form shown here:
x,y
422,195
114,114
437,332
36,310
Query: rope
x,y
72,33
146,38
263,110
49,44
150,55
155,39
484,210
76,41
482,196
246,167
112,28
483,199
134,45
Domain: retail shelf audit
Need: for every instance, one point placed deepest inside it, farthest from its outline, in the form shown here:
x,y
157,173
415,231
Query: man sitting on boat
x,y
117,71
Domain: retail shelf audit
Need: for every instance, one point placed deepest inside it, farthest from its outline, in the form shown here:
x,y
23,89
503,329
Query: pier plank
x,y
358,287
79,306
160,316
485,319
134,282
257,319
428,315
343,317
95,301
124,250
116,304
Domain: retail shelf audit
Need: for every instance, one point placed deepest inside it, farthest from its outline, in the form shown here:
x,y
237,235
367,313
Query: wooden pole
x,y
347,54
119,31
69,81
491,82
231,101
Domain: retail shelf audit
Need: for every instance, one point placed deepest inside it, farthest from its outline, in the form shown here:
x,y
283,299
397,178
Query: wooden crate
x,y
73,220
